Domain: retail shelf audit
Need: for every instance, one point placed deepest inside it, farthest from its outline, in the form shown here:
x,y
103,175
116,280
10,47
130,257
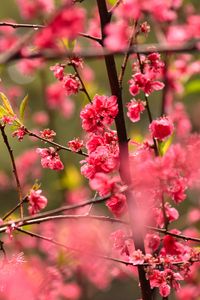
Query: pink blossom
x,y
119,239
164,290
67,23
30,66
57,99
181,119
129,9
194,25
30,9
103,159
37,202
101,112
75,145
134,109
145,83
137,257
178,33
41,118
19,133
161,128
71,84
154,61
7,120
71,291
117,204
152,241
145,28
50,158
104,184
48,134
58,71
117,35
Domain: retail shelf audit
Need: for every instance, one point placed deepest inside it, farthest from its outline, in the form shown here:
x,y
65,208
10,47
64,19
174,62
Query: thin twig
x,y
51,240
18,25
10,212
91,37
58,146
178,236
166,85
126,57
16,176
148,107
56,211
83,89
69,217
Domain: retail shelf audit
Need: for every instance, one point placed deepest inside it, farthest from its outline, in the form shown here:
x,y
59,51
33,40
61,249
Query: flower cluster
x,y
67,23
50,158
100,113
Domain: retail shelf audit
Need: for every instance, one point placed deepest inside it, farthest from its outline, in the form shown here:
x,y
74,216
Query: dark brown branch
x,y
105,17
90,37
94,53
15,173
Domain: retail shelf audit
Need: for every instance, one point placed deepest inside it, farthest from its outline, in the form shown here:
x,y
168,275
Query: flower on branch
x,y
36,201
134,109
19,133
50,158
75,145
161,128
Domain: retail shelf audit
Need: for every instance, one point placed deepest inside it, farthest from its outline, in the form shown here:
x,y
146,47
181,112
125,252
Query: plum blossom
x,y
67,23
58,71
104,184
19,133
75,145
134,110
117,35
71,84
48,134
145,83
101,112
50,158
36,201
30,9
117,204
161,128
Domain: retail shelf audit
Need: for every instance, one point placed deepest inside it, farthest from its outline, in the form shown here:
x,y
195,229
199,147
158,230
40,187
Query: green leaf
x,y
7,104
164,146
23,107
112,1
3,111
193,87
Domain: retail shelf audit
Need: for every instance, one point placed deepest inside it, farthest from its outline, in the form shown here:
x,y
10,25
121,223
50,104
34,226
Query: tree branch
x,y
58,146
16,176
94,53
18,25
